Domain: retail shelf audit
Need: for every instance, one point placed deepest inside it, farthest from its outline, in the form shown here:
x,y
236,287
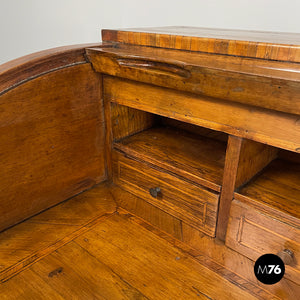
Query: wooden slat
x,y
277,187
269,127
272,85
88,278
52,141
127,121
257,44
30,66
197,158
155,216
230,170
237,263
153,266
28,285
188,202
38,236
253,233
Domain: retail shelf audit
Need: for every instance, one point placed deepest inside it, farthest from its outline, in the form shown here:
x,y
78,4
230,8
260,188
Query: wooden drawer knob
x,y
154,192
287,256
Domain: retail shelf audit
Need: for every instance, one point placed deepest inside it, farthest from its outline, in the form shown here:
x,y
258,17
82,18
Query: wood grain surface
x,y
27,67
180,198
52,141
256,44
114,249
269,127
194,157
253,233
272,85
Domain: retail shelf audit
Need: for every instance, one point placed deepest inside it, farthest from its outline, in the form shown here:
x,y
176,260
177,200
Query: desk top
x,y
255,44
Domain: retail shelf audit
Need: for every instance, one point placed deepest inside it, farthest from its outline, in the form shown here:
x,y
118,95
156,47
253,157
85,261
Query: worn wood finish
x,y
271,85
199,131
26,68
160,272
152,266
52,141
256,44
272,128
148,212
278,187
229,178
244,159
127,121
194,157
253,233
89,279
229,263
56,267
253,158
184,200
205,246
38,236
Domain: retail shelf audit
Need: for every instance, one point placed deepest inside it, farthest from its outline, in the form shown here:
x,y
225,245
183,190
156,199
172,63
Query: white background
x,y
27,26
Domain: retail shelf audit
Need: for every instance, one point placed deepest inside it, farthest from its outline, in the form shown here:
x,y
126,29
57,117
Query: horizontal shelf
x,y
278,187
194,157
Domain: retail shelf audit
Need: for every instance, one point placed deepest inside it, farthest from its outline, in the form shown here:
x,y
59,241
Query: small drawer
x,y
253,232
188,202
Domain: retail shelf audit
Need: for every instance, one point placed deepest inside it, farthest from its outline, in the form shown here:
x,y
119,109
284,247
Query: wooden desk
x,y
242,90
203,125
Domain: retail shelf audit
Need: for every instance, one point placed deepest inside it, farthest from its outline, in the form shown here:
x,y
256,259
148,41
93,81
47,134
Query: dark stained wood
x,y
272,128
256,44
194,157
52,141
27,67
271,85
108,133
253,233
184,200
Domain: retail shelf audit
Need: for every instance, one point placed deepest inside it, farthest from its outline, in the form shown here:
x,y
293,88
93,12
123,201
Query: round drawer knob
x,y
287,256
154,192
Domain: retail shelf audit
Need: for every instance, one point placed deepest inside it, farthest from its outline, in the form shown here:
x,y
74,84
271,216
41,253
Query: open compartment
x,y
277,186
265,212
191,152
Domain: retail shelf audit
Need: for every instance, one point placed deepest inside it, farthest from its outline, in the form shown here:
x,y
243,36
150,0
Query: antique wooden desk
x,y
202,125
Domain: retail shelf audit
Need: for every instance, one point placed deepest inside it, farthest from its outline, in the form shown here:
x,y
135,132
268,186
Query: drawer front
x,y
253,234
188,202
